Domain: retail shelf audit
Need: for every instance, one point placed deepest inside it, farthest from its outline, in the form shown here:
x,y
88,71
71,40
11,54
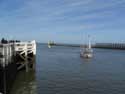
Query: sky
x,y
63,21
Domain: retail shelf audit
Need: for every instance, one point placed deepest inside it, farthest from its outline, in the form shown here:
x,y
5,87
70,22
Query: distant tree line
x,y
4,41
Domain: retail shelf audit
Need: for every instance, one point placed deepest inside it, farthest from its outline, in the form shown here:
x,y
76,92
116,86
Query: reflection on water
x,y
25,83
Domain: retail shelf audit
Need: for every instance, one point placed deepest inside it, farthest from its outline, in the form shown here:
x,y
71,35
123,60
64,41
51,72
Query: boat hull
x,y
86,55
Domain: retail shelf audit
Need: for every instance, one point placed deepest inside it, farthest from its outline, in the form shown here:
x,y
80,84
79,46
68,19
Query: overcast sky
x,y
67,21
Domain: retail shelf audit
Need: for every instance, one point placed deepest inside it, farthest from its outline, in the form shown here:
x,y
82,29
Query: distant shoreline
x,y
119,46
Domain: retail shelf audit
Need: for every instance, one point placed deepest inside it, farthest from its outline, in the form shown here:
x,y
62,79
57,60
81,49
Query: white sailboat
x,y
87,51
49,44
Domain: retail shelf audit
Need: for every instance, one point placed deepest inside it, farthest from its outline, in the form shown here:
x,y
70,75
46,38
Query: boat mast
x,y
89,44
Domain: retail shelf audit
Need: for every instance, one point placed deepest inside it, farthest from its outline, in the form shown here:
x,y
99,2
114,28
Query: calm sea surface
x,y
60,70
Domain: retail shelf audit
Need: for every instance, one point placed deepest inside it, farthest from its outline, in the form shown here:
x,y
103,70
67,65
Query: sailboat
x,y
87,51
49,44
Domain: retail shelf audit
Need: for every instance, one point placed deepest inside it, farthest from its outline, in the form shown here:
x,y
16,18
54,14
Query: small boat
x,y
50,44
87,51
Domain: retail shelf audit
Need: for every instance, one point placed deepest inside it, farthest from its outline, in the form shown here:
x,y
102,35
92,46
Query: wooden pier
x,y
6,54
14,57
6,67
25,51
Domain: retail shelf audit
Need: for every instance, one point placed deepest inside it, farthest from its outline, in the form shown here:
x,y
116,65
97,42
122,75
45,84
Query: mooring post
x,y
10,53
7,54
3,59
4,79
34,54
26,59
34,63
4,69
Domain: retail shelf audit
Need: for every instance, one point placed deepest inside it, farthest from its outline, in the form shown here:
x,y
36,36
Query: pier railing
x,y
30,47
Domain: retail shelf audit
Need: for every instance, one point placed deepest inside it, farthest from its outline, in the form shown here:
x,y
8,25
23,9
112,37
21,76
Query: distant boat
x,y
87,51
49,44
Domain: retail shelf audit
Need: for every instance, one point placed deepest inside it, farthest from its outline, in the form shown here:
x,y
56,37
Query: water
x,y
60,70
25,83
